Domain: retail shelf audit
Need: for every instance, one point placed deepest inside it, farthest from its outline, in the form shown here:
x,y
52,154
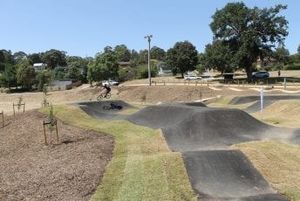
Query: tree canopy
x,y
54,58
249,32
122,53
218,56
157,53
182,57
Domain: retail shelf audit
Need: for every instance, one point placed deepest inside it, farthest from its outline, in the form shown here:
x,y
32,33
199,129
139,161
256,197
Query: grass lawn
x,y
142,168
279,163
223,102
284,113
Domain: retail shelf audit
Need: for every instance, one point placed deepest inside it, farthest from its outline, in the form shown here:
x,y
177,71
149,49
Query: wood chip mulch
x,y
69,170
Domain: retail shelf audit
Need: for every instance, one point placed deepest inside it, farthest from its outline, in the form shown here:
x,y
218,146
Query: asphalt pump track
x,y
204,135
267,100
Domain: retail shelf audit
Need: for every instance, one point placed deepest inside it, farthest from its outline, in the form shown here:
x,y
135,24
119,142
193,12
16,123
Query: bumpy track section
x,y
203,136
95,109
268,100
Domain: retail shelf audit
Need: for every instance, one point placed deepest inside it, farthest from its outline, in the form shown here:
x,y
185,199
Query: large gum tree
x,y
250,32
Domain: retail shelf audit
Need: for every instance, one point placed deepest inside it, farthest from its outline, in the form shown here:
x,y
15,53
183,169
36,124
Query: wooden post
x,y
14,109
2,114
56,129
45,136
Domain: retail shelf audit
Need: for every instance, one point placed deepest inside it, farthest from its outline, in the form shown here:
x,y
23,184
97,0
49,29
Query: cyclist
x,y
107,89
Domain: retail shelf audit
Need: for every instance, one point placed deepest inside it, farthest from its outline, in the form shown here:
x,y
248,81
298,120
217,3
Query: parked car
x,y
110,82
191,77
260,75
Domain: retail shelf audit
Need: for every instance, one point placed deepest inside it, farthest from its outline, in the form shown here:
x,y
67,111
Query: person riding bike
x,y
107,89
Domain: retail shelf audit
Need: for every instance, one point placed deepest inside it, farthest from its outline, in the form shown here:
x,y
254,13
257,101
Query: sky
x,y
85,27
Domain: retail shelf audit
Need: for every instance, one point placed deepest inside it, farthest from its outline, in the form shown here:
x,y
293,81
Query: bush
x,y
126,74
292,67
143,72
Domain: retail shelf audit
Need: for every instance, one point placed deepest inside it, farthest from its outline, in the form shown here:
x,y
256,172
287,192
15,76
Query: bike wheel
x,y
105,107
108,96
100,97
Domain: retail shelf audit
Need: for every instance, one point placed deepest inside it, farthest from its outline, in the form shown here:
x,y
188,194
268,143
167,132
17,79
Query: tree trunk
x,y
182,74
249,73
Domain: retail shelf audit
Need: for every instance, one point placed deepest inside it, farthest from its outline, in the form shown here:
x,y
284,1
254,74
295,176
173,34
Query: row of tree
x,y
241,36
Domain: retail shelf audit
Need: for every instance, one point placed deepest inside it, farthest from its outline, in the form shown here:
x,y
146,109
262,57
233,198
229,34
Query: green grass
x,y
278,162
223,102
142,167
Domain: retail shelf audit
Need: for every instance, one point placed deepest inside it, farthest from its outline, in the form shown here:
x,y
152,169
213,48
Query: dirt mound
x,y
226,175
98,109
156,94
69,170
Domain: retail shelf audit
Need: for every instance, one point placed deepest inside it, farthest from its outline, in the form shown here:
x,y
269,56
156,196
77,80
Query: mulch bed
x,y
69,170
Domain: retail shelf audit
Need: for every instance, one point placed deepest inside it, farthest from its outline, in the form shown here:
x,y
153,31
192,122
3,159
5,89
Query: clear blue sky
x,y
84,27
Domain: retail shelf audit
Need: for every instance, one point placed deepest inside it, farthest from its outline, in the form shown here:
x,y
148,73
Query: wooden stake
x,y
2,114
14,109
45,136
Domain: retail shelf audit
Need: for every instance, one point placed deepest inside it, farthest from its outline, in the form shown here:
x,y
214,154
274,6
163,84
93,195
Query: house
x,y
39,66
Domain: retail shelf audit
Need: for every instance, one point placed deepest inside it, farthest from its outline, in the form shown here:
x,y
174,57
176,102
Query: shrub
x,y
143,72
292,67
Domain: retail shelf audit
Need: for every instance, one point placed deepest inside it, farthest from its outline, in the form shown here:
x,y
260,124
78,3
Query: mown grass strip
x,y
278,162
142,167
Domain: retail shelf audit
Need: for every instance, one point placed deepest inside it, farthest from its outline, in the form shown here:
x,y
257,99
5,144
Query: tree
x,y
249,31
54,58
157,53
298,50
6,58
122,53
281,55
182,57
143,56
9,76
134,59
25,74
18,56
218,56
34,58
74,73
43,78
104,66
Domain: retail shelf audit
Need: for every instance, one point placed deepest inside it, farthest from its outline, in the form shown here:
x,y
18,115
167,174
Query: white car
x,y
192,77
110,82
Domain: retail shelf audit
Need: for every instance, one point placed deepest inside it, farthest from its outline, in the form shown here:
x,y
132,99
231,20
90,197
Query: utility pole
x,y
148,37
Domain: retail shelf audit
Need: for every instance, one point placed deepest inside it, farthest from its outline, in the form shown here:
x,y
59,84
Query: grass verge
x,y
278,162
142,167
281,113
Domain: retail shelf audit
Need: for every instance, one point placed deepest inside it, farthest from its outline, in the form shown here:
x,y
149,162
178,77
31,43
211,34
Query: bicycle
x,y
102,96
112,107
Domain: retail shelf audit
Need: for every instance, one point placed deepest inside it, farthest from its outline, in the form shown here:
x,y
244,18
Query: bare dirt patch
x,y
69,170
156,94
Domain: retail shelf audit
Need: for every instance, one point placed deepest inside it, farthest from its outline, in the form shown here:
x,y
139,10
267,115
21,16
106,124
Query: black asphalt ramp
x,y
95,109
160,116
226,175
203,135
256,106
213,129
